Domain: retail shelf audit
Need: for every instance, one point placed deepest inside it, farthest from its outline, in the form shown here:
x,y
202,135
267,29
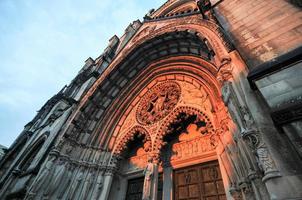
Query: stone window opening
x,y
24,165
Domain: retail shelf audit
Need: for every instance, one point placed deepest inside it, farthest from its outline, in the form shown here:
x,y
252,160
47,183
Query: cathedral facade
x,y
200,101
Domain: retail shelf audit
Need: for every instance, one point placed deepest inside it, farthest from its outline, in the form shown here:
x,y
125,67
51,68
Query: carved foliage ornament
x,y
158,102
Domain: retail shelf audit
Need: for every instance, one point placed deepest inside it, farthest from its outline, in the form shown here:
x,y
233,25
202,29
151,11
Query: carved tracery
x,y
172,122
122,144
158,102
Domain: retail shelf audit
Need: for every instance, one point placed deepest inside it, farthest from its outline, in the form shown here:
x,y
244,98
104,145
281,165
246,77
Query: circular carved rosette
x,y
158,102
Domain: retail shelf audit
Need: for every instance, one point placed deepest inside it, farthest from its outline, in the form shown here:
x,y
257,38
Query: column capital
x,y
225,70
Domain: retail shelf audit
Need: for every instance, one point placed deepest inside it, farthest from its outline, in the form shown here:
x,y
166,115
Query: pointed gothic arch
x,y
192,52
173,118
128,136
209,33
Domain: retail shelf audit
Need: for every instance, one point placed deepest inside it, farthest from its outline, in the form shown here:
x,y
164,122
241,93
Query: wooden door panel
x,y
200,182
220,187
194,191
135,189
183,192
181,178
192,176
209,189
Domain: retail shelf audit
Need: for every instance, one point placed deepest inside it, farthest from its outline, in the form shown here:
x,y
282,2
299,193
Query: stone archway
x,y
128,136
192,54
161,101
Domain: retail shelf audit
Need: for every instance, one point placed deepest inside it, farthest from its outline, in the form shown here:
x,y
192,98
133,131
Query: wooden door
x,y
199,182
135,188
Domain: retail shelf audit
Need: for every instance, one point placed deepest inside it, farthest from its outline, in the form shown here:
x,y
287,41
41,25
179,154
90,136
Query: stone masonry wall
x,y
261,29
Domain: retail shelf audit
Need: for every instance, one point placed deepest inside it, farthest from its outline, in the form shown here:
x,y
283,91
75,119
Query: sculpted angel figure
x,y
148,172
157,103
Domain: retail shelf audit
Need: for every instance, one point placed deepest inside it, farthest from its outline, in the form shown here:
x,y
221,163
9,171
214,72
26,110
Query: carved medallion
x,y
158,102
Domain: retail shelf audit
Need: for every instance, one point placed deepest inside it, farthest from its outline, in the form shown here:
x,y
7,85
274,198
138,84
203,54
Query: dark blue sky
x,y
45,43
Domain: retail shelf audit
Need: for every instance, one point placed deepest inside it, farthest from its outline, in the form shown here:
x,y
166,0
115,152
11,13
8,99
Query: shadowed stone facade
x,y
2,151
201,100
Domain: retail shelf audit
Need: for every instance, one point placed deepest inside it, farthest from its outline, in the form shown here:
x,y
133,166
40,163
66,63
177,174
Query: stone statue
x,y
57,180
44,175
87,186
65,182
76,185
157,103
98,188
148,172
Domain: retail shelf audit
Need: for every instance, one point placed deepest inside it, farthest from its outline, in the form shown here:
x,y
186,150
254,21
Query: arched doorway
x,y
179,68
180,110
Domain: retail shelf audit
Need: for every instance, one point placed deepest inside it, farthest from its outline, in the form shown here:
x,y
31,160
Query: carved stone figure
x,y
226,92
148,172
75,188
247,118
98,187
157,103
265,161
55,181
65,181
148,15
225,71
46,172
87,186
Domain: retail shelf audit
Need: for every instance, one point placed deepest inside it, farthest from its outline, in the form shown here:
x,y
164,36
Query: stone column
x,y
167,183
234,98
258,131
155,182
108,177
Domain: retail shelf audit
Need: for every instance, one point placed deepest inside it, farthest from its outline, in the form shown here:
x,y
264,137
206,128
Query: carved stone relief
x,y
158,102
195,96
192,144
265,161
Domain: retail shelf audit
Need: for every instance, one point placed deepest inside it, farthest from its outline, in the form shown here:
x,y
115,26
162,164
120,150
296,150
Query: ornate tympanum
x,y
158,102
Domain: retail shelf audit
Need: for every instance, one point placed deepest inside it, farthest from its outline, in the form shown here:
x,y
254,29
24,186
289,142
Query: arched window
x,y
31,154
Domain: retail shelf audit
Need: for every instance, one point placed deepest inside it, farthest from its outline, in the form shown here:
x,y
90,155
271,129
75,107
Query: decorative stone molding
x,y
146,31
225,70
74,143
255,141
266,163
173,118
110,170
121,145
63,158
236,193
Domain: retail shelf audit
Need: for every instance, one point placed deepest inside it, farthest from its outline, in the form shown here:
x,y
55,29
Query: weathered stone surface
x,y
170,94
